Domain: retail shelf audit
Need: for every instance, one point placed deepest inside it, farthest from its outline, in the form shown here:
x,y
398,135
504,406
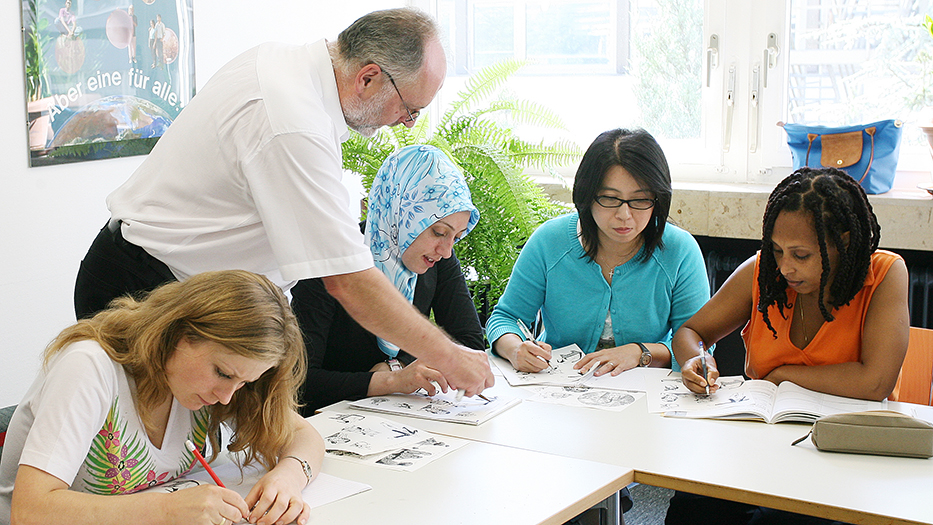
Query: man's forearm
x,y
377,306
373,301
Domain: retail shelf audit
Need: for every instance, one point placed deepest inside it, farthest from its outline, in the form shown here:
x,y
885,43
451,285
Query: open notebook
x,y
759,400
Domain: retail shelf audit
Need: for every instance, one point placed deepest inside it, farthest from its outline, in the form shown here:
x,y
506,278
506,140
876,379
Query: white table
x,y
742,461
478,483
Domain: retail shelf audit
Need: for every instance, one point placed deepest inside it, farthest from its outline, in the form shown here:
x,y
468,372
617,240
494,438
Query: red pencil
x,y
207,467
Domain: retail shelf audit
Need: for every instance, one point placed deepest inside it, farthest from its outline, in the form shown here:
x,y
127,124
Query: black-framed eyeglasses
x,y
635,204
412,115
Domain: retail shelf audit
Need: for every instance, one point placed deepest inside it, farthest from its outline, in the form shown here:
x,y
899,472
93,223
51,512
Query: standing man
x,y
249,176
159,36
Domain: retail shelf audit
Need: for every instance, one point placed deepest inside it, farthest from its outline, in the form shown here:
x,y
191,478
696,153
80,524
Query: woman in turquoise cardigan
x,y
613,277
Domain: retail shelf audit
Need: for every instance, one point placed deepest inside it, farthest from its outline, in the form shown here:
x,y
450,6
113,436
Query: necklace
x,y
803,323
617,259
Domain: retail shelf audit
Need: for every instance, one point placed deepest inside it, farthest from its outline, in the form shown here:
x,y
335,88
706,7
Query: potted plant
x,y
35,38
480,139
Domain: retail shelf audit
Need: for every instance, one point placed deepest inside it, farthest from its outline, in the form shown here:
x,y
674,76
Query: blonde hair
x,y
242,311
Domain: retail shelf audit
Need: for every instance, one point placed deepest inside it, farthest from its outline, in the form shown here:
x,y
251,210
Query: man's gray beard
x,y
362,116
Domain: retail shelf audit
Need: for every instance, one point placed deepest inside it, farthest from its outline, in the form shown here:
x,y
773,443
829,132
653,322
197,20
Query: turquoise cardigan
x,y
648,300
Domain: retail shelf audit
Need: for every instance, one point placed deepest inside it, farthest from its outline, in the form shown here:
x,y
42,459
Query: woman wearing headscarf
x,y
419,206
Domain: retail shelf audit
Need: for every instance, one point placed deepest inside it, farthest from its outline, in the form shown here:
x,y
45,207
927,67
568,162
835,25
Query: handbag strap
x,y
871,133
810,137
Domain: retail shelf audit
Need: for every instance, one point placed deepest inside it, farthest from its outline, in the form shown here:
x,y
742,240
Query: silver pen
x,y
703,363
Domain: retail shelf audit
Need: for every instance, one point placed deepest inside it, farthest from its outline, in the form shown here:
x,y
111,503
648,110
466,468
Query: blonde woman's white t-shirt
x,y
78,423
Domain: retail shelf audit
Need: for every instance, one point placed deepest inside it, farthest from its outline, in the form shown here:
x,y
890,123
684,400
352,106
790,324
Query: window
x,y
710,79
556,37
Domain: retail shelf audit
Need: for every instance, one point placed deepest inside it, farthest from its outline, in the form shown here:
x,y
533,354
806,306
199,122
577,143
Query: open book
x,y
760,400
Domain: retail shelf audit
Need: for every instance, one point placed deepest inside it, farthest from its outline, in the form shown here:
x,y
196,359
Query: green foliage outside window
x,y
667,63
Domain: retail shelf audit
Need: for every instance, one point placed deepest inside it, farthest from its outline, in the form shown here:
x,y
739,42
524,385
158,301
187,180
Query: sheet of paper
x,y
409,458
364,434
562,373
323,489
583,396
440,407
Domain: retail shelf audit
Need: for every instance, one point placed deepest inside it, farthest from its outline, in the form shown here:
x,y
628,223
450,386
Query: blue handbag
x,y
868,153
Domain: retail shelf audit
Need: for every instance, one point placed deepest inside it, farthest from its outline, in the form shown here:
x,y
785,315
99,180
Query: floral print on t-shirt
x,y
119,462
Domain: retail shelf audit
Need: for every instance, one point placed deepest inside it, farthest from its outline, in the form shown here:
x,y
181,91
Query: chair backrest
x,y
5,415
915,382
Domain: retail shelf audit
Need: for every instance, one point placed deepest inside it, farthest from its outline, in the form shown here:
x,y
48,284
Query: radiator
x,y
921,297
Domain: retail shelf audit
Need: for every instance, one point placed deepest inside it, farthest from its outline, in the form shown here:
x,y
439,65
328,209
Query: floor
x,y
649,509
650,505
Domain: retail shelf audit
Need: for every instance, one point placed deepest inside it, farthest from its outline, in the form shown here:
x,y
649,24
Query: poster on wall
x,y
104,78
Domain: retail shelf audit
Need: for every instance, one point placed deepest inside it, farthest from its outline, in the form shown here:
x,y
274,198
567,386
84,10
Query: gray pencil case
x,y
883,433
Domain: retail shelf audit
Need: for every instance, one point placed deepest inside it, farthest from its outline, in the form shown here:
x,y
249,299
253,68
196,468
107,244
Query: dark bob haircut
x,y
638,153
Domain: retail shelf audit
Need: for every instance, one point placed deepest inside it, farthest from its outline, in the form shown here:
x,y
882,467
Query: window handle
x,y
754,109
770,56
729,107
712,57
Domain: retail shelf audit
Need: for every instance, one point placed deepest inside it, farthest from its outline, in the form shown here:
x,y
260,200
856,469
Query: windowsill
x,y
734,210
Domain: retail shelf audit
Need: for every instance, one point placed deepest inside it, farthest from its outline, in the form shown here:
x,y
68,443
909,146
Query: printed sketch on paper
x,y
671,395
361,434
416,447
561,372
403,458
582,396
439,407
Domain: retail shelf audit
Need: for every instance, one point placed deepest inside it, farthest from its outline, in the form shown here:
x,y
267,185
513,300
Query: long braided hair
x,y
836,204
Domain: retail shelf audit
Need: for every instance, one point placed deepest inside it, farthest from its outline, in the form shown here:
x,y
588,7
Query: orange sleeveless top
x,y
839,341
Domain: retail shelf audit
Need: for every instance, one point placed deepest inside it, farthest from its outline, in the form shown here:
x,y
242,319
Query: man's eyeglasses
x,y
412,115
635,204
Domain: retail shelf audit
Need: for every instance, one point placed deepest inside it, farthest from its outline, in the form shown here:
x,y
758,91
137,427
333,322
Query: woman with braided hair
x,y
821,306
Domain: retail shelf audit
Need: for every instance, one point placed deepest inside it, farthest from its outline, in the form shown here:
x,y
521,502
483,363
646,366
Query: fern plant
x,y
476,131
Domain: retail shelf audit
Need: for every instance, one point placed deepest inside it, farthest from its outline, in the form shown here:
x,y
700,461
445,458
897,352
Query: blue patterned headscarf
x,y
415,187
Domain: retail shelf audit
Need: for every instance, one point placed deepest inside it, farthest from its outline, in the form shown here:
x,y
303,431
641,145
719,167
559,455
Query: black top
x,y
341,352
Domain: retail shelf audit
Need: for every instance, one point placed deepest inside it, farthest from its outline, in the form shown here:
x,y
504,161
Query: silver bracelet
x,y
305,466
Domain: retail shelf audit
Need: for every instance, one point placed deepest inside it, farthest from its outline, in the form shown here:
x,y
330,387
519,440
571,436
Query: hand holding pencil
x,y
524,352
205,503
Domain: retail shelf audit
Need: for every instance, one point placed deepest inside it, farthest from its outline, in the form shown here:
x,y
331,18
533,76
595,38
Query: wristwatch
x,y
394,364
645,359
305,466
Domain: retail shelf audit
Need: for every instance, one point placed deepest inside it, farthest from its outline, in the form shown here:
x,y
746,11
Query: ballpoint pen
x,y
703,363
530,337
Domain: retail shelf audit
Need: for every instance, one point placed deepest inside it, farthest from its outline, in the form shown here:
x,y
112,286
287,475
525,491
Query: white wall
x,y
49,215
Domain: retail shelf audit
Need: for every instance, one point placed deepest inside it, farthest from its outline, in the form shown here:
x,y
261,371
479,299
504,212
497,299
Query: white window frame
x,y
756,152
